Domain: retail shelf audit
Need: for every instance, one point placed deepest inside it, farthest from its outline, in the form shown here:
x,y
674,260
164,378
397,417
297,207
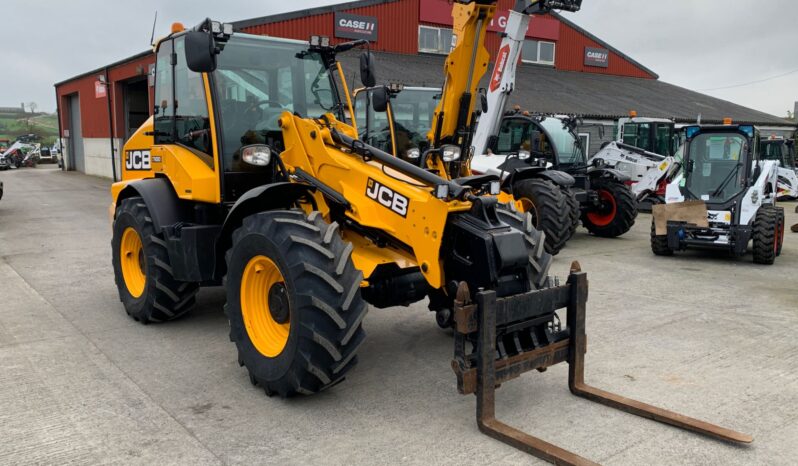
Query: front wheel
x,y
546,204
293,302
659,243
616,212
768,233
573,209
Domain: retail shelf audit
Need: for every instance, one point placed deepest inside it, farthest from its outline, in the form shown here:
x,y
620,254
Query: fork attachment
x,y
512,335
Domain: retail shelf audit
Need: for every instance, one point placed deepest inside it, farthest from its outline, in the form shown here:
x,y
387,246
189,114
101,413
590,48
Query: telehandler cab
x,y
247,175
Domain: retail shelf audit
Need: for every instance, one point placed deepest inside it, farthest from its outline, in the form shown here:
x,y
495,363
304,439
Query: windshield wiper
x,y
726,180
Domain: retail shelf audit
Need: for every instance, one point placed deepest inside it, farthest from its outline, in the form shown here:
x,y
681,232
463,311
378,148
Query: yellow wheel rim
x,y
261,281
131,256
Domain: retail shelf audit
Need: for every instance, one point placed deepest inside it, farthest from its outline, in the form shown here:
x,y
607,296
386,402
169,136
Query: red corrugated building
x,y
406,27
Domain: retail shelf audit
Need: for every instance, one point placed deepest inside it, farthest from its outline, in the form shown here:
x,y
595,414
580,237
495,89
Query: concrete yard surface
x,y
701,333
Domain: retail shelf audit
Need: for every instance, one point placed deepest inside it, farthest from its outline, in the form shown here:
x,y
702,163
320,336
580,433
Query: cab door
x,y
184,147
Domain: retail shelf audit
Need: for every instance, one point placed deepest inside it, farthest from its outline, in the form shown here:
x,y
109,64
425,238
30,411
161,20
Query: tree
x,y
32,106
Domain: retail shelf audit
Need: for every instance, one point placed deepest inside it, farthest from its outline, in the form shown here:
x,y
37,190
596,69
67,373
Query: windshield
x,y
716,166
568,147
652,137
257,79
772,150
412,117
523,134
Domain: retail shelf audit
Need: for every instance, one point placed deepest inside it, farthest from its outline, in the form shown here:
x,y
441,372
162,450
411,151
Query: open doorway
x,y
137,105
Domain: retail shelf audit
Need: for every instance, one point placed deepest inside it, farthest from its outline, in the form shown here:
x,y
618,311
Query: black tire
x,y
163,298
618,211
765,235
546,203
781,228
539,259
659,243
325,308
573,208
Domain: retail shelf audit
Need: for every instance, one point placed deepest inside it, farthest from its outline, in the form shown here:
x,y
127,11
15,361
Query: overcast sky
x,y
698,44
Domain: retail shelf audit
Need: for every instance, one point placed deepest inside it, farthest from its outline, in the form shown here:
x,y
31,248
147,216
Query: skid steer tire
x,y
539,259
766,235
618,213
293,302
780,230
546,203
573,207
142,269
659,243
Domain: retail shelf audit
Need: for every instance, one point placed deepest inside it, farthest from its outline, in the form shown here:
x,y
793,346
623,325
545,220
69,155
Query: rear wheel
x,y
659,243
142,270
546,204
616,212
780,230
293,302
573,208
766,233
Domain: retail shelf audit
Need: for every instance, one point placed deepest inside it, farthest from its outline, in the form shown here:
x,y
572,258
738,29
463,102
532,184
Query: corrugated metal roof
x,y
309,12
547,90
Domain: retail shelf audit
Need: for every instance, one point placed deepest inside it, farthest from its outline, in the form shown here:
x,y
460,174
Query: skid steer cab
x,y
723,199
782,151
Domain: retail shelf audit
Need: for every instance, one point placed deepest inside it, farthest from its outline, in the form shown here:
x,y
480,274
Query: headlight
x,y
524,154
450,153
413,153
258,155
495,188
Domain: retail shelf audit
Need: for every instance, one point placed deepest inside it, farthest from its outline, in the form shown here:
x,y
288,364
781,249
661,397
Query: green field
x,y
14,125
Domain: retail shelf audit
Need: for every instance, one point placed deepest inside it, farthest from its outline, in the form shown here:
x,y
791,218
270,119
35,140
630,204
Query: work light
x,y
450,153
257,154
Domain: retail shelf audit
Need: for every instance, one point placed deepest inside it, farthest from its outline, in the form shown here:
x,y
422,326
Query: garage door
x,y
76,158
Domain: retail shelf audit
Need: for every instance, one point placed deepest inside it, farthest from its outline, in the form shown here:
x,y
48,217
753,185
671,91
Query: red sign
x,y
440,12
99,90
498,70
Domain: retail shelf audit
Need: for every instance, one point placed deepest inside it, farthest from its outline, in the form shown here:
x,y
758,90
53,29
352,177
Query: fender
x,y
604,172
267,197
557,177
162,202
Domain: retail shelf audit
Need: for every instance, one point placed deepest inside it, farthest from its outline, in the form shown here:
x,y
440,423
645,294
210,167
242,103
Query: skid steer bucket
x,y
516,334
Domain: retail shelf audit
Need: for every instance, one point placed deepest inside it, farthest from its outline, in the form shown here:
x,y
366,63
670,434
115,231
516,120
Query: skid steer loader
x,y
724,198
248,176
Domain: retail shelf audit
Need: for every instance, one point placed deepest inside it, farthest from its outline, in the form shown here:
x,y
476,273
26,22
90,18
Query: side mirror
x,y
492,141
200,52
367,73
483,100
379,99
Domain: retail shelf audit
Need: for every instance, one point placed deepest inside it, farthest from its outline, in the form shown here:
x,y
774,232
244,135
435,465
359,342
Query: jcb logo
x,y
137,160
387,197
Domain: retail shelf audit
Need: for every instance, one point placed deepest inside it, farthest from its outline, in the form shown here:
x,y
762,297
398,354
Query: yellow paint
x,y
268,336
132,262
456,69
422,228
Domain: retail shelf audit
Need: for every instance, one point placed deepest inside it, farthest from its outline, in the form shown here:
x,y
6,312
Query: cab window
x,y
181,111
164,103
192,123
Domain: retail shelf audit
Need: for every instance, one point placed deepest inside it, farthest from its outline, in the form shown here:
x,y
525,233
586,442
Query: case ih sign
x,y
349,26
597,57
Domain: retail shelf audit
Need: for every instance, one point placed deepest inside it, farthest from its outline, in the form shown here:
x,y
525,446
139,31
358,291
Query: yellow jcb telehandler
x,y
249,176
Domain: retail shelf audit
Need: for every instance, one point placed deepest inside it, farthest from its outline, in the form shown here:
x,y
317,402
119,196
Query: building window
x,y
538,51
584,140
434,40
